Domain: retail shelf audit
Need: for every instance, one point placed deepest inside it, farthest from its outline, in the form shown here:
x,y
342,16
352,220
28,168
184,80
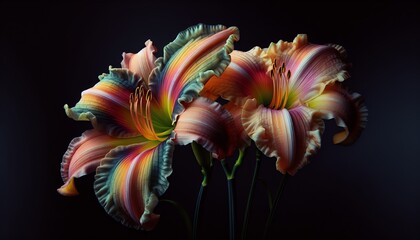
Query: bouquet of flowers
x,y
275,97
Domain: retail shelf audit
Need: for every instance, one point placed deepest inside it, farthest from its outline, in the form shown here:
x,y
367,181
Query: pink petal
x,y
208,124
348,110
141,63
106,104
312,66
245,77
84,155
131,178
289,135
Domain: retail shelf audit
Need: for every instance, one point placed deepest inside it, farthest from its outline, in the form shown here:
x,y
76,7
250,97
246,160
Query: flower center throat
x,y
280,80
140,110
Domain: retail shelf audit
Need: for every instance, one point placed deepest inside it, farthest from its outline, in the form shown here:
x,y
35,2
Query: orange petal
x,y
68,189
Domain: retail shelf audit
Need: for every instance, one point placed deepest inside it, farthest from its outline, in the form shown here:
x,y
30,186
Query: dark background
x,y
50,53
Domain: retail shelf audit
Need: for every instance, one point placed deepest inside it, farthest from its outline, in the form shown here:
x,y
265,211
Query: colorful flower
x,y
139,112
284,91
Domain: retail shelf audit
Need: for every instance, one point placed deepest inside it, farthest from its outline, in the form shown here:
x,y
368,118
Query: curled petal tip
x,y
86,116
68,189
300,39
149,221
67,110
141,63
126,59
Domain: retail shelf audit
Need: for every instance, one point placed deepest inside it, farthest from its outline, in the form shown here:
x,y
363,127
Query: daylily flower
x,y
139,112
284,92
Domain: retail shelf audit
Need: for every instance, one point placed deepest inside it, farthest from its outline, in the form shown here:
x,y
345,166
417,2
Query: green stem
x,y
205,161
197,210
230,200
238,163
230,175
251,194
273,210
267,190
231,209
183,213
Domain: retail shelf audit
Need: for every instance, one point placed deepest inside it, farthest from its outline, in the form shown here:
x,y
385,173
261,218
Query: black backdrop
x,y
50,53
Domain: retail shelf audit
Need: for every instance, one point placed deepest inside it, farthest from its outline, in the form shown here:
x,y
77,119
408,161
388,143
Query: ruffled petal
x,y
131,178
246,76
188,62
348,110
312,66
308,129
141,63
84,155
284,48
106,104
208,124
289,135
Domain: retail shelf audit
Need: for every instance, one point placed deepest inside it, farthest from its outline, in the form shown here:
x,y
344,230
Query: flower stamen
x,y
141,114
280,86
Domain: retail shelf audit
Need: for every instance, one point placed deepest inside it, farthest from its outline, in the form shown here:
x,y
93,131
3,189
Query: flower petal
x,y
246,76
312,66
141,63
131,178
348,110
236,112
106,104
188,62
84,155
208,124
289,135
